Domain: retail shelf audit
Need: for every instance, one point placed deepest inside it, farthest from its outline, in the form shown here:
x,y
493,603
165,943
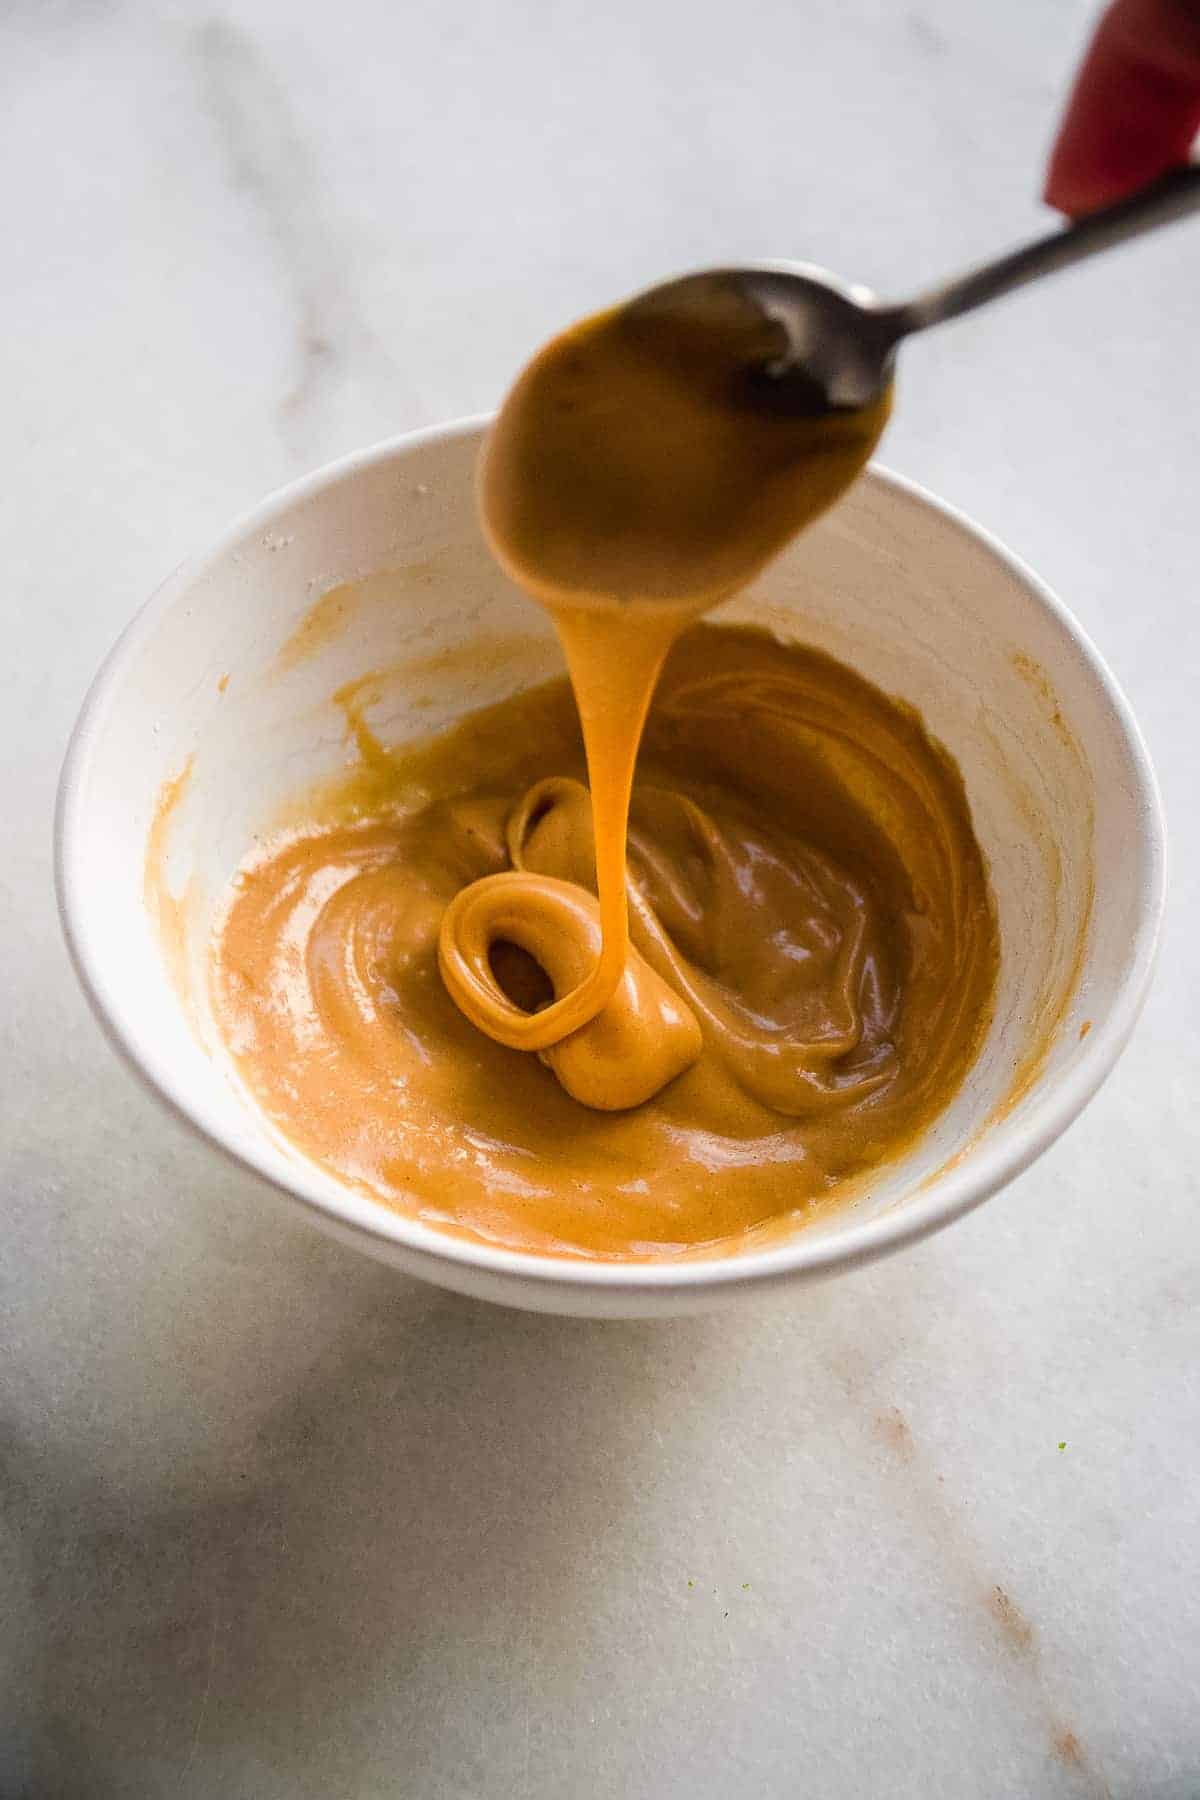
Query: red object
x,y
1135,109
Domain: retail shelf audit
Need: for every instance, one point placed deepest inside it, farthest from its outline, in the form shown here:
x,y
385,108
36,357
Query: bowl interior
x,y
374,573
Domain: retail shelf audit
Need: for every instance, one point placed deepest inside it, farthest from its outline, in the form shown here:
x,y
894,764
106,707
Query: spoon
x,y
834,343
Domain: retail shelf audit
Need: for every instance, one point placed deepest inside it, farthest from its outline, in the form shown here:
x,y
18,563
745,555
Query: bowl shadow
x,y
428,1491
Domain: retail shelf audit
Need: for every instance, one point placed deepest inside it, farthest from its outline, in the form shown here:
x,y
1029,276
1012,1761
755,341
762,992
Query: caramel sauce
x,y
806,885
529,1011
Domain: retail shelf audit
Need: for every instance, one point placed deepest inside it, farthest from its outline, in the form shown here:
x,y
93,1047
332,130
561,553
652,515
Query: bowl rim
x,y
982,1170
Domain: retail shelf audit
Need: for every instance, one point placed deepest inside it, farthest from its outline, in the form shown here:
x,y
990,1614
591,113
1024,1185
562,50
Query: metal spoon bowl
x,y
833,344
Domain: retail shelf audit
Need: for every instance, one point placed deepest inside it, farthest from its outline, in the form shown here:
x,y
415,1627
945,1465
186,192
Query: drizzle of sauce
x,y
641,471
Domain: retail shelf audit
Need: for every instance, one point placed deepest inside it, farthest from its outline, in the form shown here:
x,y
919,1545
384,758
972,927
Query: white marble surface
x,y
275,1523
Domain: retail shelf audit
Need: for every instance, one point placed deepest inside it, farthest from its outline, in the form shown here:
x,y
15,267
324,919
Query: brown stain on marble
x,y
1070,1752
897,1434
222,684
1068,1749
1084,1029
951,1532
1018,1632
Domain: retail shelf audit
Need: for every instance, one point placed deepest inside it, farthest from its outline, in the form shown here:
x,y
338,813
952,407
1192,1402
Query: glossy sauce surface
x,y
807,887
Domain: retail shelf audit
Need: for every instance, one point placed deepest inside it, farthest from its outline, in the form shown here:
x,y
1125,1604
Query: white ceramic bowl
x,y
911,594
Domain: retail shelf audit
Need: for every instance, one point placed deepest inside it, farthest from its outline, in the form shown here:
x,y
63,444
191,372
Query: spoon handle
x,y
1172,197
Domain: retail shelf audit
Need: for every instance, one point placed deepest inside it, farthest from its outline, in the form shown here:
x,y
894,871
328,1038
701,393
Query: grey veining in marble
x,y
274,1523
